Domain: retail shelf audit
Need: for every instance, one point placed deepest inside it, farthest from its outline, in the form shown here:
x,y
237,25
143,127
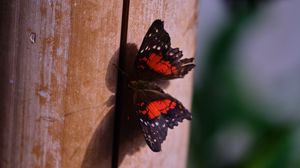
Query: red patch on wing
x,y
156,63
156,108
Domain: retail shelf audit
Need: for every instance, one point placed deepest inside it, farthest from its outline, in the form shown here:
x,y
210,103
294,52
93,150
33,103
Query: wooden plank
x,y
57,82
36,52
180,21
95,30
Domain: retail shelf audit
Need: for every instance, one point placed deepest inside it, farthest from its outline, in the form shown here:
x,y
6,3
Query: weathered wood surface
x,y
91,77
180,21
57,82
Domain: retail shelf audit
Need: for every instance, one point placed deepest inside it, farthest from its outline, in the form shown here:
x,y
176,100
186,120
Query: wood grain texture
x,y
57,82
36,55
91,77
180,21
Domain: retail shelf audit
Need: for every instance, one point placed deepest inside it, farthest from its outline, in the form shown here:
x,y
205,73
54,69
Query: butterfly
x,y
156,61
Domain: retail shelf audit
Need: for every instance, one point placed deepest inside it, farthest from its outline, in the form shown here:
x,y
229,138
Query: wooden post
x,y
57,82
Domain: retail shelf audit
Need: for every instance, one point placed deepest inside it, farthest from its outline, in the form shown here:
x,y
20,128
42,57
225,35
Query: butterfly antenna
x,y
121,70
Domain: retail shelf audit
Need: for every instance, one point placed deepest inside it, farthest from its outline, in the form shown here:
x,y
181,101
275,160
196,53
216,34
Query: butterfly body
x,y
156,61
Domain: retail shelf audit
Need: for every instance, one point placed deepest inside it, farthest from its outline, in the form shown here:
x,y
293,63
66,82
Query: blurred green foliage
x,y
219,102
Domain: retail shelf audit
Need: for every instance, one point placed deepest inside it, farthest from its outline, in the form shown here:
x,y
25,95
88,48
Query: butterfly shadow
x,y
99,150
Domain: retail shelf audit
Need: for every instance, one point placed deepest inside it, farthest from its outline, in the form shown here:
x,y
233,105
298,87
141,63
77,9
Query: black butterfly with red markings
x,y
157,110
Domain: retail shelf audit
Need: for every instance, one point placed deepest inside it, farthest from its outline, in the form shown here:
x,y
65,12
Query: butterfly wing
x,y
157,112
156,36
156,60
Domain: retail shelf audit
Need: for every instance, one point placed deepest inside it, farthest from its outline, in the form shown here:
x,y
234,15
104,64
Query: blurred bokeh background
x,y
246,106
